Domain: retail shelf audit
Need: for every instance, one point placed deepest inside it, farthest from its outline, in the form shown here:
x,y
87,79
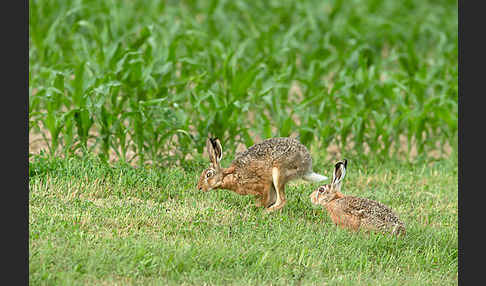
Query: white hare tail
x,y
314,177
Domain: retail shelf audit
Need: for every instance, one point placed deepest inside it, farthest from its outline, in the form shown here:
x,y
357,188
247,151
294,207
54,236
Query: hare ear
x,y
210,149
339,172
214,150
218,149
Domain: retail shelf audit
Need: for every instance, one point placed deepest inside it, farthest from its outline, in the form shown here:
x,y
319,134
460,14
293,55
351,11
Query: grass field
x,y
92,223
123,94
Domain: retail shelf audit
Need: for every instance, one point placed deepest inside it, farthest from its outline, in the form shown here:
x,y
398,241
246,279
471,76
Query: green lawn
x,y
142,83
92,223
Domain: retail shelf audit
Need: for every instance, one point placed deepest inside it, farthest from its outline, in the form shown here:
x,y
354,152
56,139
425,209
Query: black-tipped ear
x,y
218,150
215,151
341,164
339,171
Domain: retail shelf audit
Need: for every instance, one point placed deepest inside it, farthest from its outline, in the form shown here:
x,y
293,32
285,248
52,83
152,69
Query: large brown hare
x,y
353,212
262,170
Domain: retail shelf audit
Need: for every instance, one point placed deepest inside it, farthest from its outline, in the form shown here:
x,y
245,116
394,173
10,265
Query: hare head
x,y
328,192
212,177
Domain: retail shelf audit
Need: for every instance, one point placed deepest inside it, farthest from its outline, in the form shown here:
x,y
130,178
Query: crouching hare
x,y
353,212
262,170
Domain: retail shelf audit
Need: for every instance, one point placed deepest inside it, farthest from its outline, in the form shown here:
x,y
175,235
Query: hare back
x,y
372,213
288,154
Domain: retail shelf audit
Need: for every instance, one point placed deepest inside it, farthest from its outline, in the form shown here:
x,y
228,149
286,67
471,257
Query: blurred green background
x,y
147,81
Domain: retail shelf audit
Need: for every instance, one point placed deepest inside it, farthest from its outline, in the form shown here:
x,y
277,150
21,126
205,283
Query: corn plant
x,y
150,80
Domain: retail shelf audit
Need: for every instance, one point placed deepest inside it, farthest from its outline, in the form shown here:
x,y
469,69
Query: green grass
x,y
146,81
97,224
149,80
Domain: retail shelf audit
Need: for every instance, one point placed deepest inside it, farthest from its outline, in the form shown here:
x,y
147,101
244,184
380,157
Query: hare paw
x,y
274,207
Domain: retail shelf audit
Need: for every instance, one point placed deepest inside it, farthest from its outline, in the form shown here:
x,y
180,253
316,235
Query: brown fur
x,y
251,172
355,213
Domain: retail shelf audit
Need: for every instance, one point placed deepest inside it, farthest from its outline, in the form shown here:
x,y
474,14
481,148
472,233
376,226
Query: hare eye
x,y
209,174
321,189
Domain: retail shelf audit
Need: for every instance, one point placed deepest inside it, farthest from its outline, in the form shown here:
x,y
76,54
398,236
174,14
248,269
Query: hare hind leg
x,y
279,190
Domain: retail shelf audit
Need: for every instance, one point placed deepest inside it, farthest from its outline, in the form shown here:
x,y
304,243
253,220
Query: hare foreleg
x,y
259,201
267,197
271,196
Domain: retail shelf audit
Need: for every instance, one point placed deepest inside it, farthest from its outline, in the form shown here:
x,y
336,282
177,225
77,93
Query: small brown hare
x,y
353,212
262,170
